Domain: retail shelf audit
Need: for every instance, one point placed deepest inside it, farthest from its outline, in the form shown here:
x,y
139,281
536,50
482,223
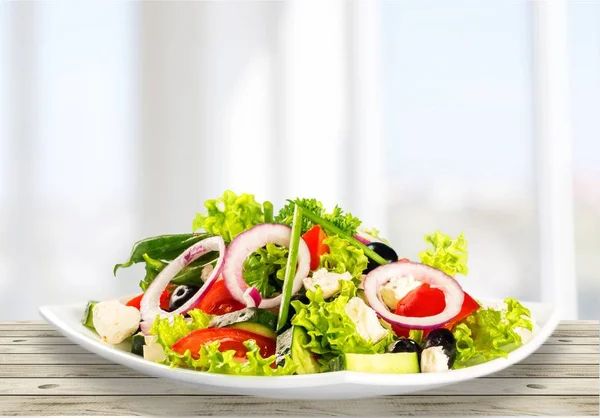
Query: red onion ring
x,y
453,293
150,304
251,240
252,297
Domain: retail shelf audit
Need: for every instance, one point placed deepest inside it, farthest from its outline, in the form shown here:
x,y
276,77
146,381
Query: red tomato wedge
x,y
218,300
427,301
229,338
164,299
314,239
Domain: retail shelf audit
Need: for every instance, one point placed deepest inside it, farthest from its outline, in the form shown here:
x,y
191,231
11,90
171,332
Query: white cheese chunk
x,y
329,282
153,351
433,359
114,321
396,288
365,319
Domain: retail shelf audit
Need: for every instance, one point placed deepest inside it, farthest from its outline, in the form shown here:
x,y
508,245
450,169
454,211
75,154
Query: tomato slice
x,y
427,301
229,338
314,239
164,299
218,300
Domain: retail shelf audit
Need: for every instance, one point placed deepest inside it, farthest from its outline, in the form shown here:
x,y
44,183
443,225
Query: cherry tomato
x,y
218,300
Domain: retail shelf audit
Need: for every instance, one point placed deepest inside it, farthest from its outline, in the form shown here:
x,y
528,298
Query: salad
x,y
305,290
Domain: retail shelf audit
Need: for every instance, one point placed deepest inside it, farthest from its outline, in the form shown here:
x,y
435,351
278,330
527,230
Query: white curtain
x,y
119,119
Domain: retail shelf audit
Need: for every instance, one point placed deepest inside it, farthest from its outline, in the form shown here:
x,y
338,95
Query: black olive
x,y
442,337
405,345
384,251
181,295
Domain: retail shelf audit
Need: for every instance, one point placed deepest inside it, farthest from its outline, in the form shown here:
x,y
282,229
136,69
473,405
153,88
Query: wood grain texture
x,y
249,406
154,386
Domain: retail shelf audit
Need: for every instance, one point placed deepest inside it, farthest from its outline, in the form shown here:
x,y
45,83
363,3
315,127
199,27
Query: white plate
x,y
336,385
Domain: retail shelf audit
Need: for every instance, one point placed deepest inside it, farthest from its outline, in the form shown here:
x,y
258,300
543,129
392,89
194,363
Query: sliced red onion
x,y
362,239
150,304
453,293
251,240
252,297
145,327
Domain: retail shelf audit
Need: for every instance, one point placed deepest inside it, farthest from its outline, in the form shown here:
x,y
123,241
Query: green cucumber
x,y
87,318
138,341
377,363
255,329
291,343
253,315
255,320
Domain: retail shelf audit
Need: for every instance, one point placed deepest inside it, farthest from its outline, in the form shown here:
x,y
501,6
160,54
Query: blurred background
x,y
118,119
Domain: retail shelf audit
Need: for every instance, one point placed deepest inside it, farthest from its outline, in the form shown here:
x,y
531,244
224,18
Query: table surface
x,y
42,373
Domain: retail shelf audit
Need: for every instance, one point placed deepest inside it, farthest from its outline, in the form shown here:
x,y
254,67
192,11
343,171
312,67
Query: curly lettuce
x,y
230,215
448,255
265,269
343,257
490,333
344,221
209,358
330,330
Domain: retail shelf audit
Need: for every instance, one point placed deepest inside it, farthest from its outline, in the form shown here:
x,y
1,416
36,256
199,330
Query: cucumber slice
x,y
87,318
254,315
291,343
377,363
255,328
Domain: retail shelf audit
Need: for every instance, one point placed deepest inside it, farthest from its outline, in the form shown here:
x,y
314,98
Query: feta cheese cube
x,y
365,319
396,288
153,351
328,281
114,321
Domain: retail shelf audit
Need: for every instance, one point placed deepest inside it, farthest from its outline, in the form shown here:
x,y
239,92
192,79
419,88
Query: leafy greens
x,y
490,333
330,329
447,254
230,215
345,221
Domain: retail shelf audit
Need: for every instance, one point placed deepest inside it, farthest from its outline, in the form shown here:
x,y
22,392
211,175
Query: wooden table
x,y
42,373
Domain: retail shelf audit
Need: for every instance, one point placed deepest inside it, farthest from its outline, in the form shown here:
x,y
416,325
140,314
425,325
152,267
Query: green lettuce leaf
x,y
168,332
331,332
447,254
343,257
229,215
214,361
265,269
345,221
489,333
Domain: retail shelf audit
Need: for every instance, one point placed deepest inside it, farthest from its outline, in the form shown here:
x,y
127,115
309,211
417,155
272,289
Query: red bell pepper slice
x,y
229,338
314,239
219,301
427,301
164,299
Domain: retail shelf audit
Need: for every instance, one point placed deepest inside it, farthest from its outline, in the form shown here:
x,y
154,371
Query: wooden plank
x,y
575,333
33,340
80,359
29,333
118,371
155,386
557,340
251,406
